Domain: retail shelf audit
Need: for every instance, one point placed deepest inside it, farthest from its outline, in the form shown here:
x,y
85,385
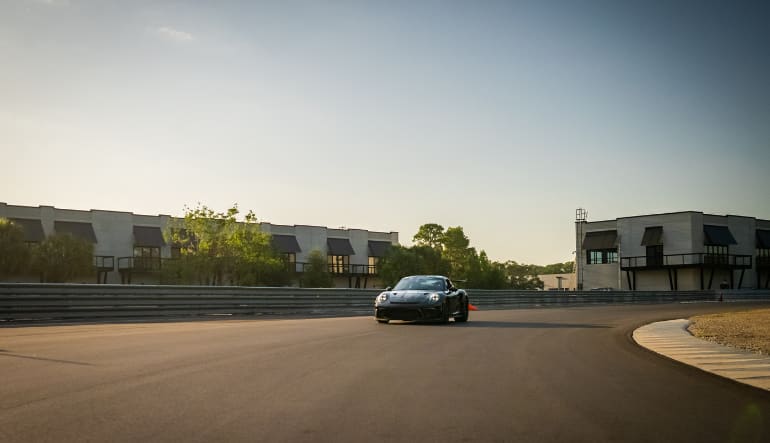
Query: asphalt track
x,y
569,374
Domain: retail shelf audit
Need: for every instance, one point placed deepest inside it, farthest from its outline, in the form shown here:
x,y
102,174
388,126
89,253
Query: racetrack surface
x,y
571,374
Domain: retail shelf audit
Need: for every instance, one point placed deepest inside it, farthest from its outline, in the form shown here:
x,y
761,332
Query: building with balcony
x,y
131,248
675,251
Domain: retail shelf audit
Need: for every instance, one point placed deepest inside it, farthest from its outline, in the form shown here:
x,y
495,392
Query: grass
x,y
748,330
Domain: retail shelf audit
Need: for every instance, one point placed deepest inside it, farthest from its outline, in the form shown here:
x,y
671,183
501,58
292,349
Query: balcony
x,y
139,264
727,261
336,269
104,263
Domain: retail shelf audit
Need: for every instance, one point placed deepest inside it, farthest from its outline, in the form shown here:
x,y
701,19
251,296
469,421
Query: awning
x,y
378,248
763,239
285,244
80,230
718,235
149,236
339,246
653,236
600,240
33,229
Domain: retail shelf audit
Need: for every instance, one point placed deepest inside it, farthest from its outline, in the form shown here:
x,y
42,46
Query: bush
x,y
61,258
14,252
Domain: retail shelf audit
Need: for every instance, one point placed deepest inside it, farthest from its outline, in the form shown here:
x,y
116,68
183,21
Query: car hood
x,y
409,296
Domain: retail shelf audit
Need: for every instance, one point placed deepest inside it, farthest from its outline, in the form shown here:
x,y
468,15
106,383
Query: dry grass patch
x,y
748,330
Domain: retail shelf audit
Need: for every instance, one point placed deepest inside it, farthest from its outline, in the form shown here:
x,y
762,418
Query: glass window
x,y
338,264
373,262
420,283
601,256
716,250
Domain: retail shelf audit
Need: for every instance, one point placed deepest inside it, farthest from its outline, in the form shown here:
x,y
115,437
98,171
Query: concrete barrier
x,y
36,302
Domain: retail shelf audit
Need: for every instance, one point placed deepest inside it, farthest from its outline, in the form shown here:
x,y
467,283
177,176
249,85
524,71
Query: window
x,y
147,258
763,256
290,258
655,255
715,254
338,264
373,262
602,256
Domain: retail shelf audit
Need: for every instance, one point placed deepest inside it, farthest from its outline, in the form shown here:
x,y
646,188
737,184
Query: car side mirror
x,y
388,288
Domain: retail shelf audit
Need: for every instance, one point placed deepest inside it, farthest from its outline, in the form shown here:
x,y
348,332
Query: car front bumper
x,y
408,312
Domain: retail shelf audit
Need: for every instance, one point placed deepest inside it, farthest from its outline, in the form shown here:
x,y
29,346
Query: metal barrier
x,y
20,302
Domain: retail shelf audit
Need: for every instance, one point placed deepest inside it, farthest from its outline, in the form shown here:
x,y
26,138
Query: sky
x,y
500,117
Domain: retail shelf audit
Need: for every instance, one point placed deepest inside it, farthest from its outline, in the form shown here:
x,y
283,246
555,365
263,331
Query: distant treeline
x,y
448,252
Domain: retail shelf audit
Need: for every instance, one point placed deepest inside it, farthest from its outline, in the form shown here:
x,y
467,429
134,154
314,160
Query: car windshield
x,y
420,284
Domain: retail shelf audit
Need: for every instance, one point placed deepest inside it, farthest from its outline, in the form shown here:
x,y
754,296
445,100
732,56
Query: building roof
x,y
339,246
378,248
285,244
148,236
600,240
673,213
33,229
653,236
718,235
82,230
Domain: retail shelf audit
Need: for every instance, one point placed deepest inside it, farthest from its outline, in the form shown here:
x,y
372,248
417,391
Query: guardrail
x,y
23,302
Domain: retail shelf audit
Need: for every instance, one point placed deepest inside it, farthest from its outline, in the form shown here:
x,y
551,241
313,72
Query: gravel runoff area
x,y
748,330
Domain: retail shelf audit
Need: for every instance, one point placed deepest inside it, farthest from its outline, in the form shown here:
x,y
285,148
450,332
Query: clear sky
x,y
501,117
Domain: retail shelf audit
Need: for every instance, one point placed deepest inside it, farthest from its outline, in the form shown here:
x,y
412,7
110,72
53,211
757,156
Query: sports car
x,y
422,297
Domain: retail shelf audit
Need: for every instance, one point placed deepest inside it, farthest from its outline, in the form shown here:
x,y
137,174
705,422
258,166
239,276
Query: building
x,y
675,251
131,248
558,282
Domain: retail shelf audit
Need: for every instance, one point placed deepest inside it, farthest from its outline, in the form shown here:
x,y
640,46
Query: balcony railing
x,y
139,264
104,262
763,262
154,264
685,260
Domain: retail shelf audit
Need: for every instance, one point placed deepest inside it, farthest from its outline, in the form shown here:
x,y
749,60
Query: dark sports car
x,y
422,297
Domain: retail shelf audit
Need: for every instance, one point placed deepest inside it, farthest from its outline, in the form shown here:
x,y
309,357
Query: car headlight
x,y
434,298
382,297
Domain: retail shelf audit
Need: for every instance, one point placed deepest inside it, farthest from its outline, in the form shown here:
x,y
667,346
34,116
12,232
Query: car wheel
x,y
463,317
445,313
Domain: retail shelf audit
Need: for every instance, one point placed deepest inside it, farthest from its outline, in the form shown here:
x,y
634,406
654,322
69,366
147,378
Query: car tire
x,y
463,317
379,320
445,313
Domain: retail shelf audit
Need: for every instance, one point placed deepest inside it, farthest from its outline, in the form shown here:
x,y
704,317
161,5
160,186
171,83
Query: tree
x,y
522,276
431,261
14,253
487,274
316,274
398,262
217,249
558,268
431,235
458,252
61,258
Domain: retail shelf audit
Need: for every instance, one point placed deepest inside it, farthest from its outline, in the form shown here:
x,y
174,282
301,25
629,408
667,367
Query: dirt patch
x,y
748,330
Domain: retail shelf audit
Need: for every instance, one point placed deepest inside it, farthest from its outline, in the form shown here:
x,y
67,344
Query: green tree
x,y
14,253
431,235
522,276
487,274
459,253
431,261
216,249
316,273
61,258
398,262
559,268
